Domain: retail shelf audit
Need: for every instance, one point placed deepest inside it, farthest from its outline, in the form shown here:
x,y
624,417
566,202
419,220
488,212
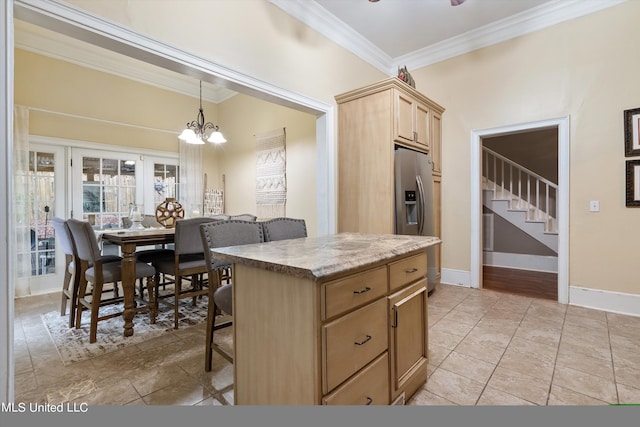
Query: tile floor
x,y
485,348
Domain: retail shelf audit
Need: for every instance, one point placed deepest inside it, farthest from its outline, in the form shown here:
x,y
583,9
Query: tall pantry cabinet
x,y
371,121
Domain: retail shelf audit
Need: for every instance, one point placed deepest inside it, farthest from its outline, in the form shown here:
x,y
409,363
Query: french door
x,y
44,263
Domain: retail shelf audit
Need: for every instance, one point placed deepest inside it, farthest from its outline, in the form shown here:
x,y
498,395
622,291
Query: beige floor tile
x,y
211,401
444,339
25,382
543,335
529,388
437,354
581,362
493,397
628,395
543,352
582,382
468,366
563,396
185,394
571,346
158,377
625,357
527,364
621,342
627,375
424,397
459,316
488,336
597,323
487,352
500,314
503,326
120,392
447,325
455,388
229,397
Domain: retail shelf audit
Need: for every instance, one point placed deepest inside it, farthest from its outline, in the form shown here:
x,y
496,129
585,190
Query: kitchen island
x,y
337,319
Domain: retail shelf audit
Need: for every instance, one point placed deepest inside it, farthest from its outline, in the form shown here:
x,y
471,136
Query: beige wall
x,y
585,69
244,117
157,115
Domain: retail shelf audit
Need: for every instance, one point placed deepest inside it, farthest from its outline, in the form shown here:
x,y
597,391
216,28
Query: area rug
x,y
73,344
271,180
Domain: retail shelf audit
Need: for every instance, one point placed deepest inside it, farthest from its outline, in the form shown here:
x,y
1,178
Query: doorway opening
x,y
520,182
519,210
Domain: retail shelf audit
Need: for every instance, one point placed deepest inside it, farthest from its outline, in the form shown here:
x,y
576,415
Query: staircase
x,y
522,197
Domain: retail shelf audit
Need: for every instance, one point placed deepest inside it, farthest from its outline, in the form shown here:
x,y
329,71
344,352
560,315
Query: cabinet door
x,y
408,340
436,142
404,118
423,124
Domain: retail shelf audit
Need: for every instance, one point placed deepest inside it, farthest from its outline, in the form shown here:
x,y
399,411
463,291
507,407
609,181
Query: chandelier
x,y
196,131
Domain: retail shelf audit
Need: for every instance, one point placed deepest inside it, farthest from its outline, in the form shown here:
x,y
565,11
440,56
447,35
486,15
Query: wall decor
x,y
271,177
633,183
632,132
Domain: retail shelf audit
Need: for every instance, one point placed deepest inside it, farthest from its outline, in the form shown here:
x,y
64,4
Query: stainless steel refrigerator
x,y
414,200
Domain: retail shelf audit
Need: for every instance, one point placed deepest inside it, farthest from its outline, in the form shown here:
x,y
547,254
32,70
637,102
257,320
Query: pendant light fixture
x,y
196,131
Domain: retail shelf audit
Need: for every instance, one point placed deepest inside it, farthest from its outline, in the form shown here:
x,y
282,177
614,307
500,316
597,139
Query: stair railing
x,y
527,186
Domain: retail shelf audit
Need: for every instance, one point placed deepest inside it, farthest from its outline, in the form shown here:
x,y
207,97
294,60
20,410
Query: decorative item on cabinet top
x,y
168,212
403,74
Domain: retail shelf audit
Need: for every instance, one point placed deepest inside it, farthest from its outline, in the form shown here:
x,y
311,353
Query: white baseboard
x,y
547,264
616,302
456,277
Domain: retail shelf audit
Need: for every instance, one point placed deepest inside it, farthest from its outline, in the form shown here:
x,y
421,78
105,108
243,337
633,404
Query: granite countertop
x,y
323,257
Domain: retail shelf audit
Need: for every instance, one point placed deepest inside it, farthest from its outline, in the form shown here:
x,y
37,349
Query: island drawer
x,y
350,292
352,341
407,270
368,387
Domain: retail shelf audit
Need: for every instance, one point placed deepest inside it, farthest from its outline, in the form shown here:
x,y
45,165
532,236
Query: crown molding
x,y
534,19
34,39
336,30
529,21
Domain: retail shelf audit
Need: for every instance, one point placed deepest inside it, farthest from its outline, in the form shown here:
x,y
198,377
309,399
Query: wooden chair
x,y
244,217
94,269
215,235
71,268
187,260
284,228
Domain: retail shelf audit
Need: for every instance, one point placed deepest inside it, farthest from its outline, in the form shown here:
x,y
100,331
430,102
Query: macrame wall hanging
x,y
271,179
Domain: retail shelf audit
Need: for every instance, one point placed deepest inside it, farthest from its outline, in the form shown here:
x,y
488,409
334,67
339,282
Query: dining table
x,y
129,240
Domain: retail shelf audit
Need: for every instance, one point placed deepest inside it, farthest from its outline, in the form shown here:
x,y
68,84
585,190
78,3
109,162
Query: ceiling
x,y
401,27
387,34
416,33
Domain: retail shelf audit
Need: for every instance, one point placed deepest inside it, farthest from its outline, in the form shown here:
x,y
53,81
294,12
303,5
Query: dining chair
x,y
187,260
94,269
71,268
284,228
244,217
215,235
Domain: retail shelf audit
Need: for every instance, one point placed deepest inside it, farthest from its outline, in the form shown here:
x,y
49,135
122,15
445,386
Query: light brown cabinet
x,y
371,121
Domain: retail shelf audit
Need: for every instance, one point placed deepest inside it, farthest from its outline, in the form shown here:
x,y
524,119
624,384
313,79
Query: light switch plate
x,y
594,206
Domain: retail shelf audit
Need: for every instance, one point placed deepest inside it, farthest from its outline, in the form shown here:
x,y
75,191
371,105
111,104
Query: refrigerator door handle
x,y
420,204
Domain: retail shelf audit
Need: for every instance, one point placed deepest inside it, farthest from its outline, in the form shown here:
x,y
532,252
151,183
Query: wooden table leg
x,y
128,286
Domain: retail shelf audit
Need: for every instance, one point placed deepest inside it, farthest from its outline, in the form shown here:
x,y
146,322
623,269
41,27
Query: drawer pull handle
x,y
362,291
369,400
411,270
364,341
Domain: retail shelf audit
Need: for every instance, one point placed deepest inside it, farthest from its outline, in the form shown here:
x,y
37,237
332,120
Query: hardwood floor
x,y
533,284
